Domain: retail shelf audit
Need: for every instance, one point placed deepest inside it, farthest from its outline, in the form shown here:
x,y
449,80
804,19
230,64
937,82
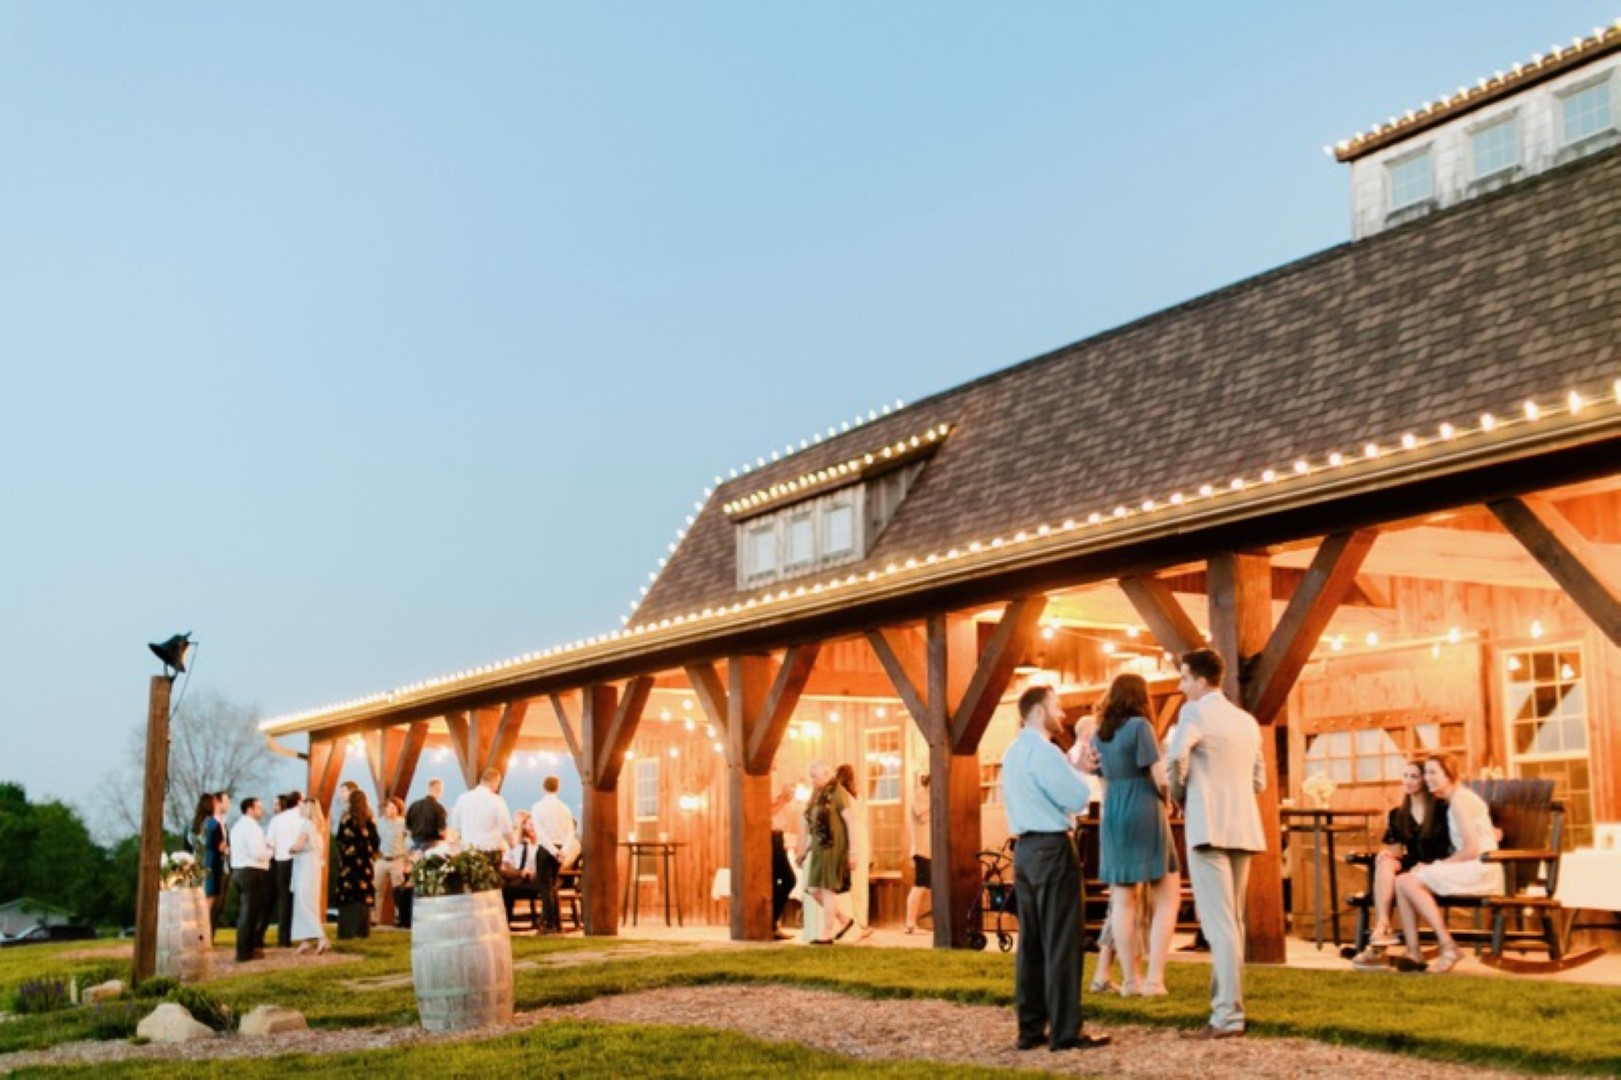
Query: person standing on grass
x,y
389,872
309,858
922,867
482,819
1216,769
283,832
250,871
425,820
1042,794
825,853
555,834
860,852
358,844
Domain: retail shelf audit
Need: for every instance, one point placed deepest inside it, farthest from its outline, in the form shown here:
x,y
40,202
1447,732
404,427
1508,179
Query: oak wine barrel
x,y
461,961
184,951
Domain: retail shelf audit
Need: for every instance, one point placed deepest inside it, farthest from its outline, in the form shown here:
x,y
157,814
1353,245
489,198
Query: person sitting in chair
x,y
1469,824
518,864
1415,832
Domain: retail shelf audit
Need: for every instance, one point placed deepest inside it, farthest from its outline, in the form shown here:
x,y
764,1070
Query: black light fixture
x,y
173,652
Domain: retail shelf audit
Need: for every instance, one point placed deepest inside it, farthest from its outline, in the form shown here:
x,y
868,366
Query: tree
x,y
214,745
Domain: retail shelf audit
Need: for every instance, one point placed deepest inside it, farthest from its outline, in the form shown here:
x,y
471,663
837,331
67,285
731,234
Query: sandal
x,y
1153,990
1103,986
1445,962
1383,936
845,929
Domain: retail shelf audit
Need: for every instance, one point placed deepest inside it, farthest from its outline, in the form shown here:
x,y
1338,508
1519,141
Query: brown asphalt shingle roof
x,y
1511,296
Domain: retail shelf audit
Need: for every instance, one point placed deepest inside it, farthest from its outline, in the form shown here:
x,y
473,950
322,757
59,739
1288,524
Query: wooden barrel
x,y
461,961
183,947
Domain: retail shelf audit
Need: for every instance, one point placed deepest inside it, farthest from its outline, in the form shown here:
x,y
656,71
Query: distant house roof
x,y
23,903
1541,67
1473,310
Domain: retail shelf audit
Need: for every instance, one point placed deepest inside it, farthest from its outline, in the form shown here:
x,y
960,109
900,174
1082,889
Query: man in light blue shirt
x,y
1043,794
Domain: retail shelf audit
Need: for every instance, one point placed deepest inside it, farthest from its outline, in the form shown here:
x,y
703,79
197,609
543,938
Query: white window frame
x,y
778,524
874,770
1517,760
1511,120
1607,94
646,792
1396,164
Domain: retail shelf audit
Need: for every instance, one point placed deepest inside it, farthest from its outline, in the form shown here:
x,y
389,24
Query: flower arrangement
x,y
451,875
1319,787
180,870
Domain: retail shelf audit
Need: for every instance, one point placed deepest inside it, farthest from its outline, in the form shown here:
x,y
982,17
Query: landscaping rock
x,y
92,995
172,1023
272,1020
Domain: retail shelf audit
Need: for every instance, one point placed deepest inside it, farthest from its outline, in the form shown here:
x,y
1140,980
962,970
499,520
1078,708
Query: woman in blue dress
x,y
1135,837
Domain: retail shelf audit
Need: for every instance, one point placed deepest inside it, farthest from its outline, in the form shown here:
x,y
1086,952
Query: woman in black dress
x,y
358,844
1415,832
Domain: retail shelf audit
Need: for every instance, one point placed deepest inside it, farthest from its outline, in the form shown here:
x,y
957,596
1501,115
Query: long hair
x,y
845,777
1127,697
1424,796
206,803
317,819
359,808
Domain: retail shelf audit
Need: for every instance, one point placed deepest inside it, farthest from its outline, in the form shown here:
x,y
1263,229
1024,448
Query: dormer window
x,y
1494,147
1412,181
1585,112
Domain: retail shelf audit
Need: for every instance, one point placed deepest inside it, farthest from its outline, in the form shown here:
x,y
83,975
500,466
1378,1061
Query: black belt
x,y
1063,833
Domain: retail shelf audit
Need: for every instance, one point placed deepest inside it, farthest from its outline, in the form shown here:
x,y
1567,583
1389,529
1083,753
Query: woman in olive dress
x,y
827,847
1135,843
358,844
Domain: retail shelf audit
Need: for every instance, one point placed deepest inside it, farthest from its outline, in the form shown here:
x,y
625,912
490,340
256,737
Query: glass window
x,y
1545,707
1495,148
801,539
647,789
840,524
763,549
1586,112
1410,181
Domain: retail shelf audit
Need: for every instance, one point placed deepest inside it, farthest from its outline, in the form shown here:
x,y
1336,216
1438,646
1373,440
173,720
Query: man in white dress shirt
x,y
250,870
282,833
1216,769
554,831
482,820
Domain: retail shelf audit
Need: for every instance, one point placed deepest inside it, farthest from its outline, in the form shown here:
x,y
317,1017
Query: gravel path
x,y
885,1030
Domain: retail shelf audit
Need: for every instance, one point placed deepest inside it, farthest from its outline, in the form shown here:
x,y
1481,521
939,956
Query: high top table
x,y
667,870
1319,822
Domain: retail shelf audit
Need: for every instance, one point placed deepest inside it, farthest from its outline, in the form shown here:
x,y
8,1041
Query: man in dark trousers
x,y
782,871
1042,794
282,833
250,862
425,820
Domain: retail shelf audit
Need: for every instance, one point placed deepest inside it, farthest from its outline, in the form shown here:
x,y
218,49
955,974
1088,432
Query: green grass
x,y
1507,1023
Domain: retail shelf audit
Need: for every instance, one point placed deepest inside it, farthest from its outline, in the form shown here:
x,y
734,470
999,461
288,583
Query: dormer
x,y
1562,105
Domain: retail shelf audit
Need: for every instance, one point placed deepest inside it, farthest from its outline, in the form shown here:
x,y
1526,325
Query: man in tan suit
x,y
1216,769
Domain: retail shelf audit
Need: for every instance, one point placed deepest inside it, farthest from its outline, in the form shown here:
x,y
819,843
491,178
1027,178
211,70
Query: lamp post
x,y
173,653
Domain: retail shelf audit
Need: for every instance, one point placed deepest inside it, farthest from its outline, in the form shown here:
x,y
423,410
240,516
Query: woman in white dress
x,y
1469,822
309,856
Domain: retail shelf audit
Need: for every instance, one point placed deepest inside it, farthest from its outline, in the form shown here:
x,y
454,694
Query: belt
x,y
1029,834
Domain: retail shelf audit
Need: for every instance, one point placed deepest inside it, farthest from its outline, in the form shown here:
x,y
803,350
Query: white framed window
x,y
1585,111
802,538
760,550
884,760
1495,147
647,789
839,527
1545,705
1411,180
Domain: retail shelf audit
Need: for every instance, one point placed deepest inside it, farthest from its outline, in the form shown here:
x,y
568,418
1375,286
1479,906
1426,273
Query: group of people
x,y
278,867
1213,768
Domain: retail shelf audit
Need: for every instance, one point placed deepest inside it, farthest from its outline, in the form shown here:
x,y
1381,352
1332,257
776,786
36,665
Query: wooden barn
x,y
1385,479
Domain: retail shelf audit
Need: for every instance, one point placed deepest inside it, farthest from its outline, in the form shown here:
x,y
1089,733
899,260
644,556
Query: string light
x,y
1572,403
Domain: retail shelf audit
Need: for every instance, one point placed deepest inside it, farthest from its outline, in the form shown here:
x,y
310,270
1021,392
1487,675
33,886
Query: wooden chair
x,y
1525,915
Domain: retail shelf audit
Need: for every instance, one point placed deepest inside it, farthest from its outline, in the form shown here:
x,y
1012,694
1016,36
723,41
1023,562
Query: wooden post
x,y
157,783
1240,626
607,725
392,755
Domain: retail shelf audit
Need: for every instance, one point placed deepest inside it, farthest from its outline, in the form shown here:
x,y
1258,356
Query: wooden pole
x,y
157,782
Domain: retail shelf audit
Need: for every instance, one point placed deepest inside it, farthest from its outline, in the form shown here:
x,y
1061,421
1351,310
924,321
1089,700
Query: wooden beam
x,y
749,687
571,735
786,687
460,728
599,812
611,747
505,736
993,671
1328,581
392,755
326,765
711,691
1570,558
1171,627
902,654
1240,625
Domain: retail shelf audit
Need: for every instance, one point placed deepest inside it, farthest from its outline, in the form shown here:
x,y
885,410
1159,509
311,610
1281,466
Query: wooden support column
x,y
392,755
598,739
326,765
951,690
484,738
753,708
1240,626
1585,574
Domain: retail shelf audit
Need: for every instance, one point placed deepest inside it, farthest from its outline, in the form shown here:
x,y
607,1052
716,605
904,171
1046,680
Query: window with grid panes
x,y
1586,112
886,820
1546,706
1495,148
647,789
1411,181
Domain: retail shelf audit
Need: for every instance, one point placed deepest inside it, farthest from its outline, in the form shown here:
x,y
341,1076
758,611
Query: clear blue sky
x,y
372,341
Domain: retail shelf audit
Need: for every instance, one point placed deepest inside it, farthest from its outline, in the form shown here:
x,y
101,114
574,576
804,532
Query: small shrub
x,y
114,1019
204,1008
41,996
157,988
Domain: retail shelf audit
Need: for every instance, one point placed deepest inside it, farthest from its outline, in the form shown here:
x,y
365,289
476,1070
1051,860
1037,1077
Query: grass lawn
x,y
1507,1023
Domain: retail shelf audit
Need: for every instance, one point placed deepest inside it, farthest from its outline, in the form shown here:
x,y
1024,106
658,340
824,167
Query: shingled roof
x,y
1471,310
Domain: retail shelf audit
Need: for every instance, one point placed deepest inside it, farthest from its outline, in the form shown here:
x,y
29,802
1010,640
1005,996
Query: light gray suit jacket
x,y
1216,769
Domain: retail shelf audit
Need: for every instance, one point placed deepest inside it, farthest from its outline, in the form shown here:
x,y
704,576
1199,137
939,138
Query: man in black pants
x,y
1042,794
782,871
250,856
282,834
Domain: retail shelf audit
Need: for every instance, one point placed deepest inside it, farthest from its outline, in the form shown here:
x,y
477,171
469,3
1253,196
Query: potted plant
x,y
183,951
461,951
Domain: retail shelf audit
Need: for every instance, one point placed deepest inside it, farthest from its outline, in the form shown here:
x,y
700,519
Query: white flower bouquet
x,y
1319,787
179,870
